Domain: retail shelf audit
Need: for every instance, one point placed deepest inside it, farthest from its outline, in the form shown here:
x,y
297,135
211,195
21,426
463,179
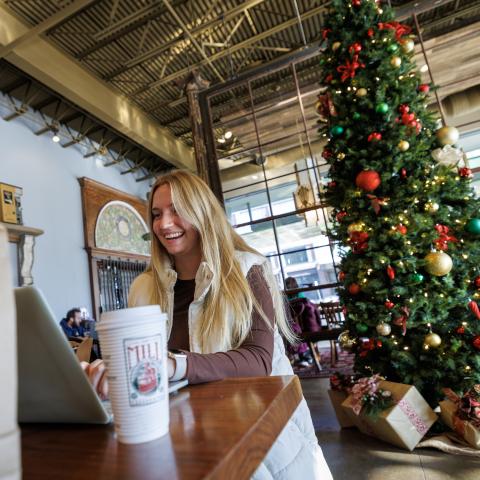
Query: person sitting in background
x,y
305,317
72,325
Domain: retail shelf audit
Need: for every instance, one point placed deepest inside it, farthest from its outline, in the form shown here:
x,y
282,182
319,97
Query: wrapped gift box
x,y
464,428
337,397
403,424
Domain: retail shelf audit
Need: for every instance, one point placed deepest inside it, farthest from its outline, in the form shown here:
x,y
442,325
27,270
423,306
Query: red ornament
x,y
325,33
424,88
355,48
472,305
326,153
368,180
340,216
388,304
379,344
356,3
370,32
403,108
341,276
391,272
477,282
460,330
331,184
476,342
359,242
465,172
401,229
354,289
403,173
328,78
374,136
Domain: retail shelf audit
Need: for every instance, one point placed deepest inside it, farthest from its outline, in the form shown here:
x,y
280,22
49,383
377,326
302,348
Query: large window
x,y
273,174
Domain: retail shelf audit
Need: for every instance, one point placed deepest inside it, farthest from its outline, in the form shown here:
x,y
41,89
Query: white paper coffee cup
x,y
134,349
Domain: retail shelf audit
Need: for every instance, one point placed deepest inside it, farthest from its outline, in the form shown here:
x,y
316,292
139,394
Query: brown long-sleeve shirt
x,y
252,358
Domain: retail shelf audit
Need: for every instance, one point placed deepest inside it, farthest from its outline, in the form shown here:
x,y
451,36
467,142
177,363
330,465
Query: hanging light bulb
x,y
55,138
221,140
228,134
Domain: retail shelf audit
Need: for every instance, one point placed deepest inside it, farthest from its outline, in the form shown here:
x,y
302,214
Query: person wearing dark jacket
x,y
71,325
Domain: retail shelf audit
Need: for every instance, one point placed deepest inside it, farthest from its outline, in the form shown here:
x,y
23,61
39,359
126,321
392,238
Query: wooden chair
x,y
82,349
334,318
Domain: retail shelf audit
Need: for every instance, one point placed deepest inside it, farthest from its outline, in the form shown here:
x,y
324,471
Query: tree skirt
x,y
343,365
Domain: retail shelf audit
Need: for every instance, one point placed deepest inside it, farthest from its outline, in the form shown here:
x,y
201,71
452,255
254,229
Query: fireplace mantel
x,y
24,237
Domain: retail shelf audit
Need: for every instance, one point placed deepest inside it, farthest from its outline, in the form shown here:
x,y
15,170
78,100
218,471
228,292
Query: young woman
x,y
225,311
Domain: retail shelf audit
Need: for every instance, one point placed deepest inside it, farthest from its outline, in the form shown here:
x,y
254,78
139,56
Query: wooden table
x,y
221,430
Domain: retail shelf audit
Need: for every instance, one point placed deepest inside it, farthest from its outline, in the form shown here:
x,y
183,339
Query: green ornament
x,y
361,328
356,116
382,108
417,277
392,48
473,226
336,130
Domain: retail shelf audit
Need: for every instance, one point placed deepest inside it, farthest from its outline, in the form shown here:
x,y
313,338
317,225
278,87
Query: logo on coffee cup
x,y
143,357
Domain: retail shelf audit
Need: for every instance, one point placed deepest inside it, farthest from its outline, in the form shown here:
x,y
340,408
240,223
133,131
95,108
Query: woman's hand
x,y
95,372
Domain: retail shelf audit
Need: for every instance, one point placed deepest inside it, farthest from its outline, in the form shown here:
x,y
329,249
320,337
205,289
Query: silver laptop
x,y
52,386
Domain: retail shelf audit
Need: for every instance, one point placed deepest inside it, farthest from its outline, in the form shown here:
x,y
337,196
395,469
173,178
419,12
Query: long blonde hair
x,y
229,292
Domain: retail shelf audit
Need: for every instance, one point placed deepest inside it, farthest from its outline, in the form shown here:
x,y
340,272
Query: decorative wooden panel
x,y
111,271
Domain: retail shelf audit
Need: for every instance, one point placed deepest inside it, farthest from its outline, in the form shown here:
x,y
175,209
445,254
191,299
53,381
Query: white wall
x,y
48,174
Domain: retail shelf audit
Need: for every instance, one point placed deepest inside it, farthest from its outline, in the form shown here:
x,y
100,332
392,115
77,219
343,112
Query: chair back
x,y
84,350
333,314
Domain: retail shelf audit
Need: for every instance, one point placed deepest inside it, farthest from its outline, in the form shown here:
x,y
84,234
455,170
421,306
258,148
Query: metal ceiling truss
x,y
146,49
26,95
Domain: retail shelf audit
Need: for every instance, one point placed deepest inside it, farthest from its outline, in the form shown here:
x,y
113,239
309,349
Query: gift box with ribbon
x,y
462,414
403,423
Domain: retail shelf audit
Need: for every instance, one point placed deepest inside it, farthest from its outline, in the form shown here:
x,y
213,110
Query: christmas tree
x,y
403,208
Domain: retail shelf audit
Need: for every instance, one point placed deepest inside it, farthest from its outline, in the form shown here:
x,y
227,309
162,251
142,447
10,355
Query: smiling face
x,y
179,238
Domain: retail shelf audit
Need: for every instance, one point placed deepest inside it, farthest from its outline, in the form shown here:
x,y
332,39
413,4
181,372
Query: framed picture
x,y
8,205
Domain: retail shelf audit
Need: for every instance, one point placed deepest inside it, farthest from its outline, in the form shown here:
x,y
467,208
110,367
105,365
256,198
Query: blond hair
x,y
229,293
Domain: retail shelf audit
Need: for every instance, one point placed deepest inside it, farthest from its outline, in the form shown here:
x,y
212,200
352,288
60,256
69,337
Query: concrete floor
x,y
354,456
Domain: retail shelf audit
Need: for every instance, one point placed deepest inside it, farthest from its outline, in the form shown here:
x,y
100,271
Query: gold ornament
x,y
383,329
345,341
341,156
361,92
433,340
356,227
447,135
407,45
336,46
438,263
395,61
431,207
403,145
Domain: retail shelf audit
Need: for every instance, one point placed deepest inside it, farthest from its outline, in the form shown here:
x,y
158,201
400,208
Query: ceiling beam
x,y
125,26
233,48
46,25
179,39
187,32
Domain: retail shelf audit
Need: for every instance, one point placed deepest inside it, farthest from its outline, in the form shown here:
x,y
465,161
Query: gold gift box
x,y
404,424
464,428
8,209
337,397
